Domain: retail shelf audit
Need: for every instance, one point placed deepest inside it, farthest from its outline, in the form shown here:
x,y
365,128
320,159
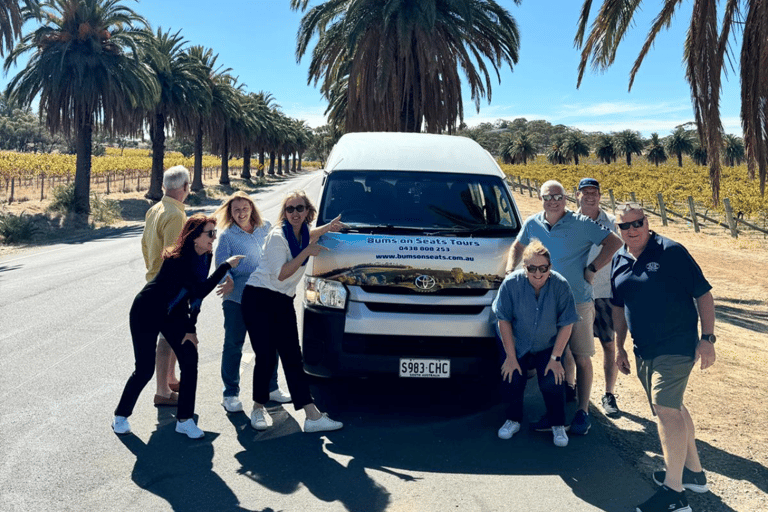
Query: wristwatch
x,y
709,337
555,358
592,268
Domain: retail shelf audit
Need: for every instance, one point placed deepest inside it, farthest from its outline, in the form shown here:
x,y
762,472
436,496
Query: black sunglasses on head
x,y
635,224
291,209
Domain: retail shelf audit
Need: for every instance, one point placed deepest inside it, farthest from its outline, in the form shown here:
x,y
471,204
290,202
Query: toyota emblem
x,y
425,282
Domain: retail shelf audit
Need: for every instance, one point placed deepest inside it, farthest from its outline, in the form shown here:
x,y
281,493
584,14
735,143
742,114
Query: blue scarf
x,y
293,244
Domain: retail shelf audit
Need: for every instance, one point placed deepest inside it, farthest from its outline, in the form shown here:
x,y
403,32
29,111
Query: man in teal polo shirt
x,y
659,294
569,237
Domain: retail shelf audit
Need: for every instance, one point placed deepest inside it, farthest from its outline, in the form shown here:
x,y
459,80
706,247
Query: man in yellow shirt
x,y
163,225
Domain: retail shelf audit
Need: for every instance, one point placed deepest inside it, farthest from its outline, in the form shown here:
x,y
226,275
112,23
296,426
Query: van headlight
x,y
321,292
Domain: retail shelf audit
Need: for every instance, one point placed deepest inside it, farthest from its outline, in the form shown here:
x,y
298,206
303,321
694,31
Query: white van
x,y
407,290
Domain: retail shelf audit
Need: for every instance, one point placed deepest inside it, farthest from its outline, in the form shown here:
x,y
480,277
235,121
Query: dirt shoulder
x,y
728,401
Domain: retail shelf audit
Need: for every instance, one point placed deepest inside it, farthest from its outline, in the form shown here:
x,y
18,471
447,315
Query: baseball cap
x,y
589,182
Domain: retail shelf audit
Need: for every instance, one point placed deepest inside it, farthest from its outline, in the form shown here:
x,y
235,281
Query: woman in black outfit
x,y
169,304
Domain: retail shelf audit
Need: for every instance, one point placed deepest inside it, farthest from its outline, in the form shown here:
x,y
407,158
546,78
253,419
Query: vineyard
x,y
646,181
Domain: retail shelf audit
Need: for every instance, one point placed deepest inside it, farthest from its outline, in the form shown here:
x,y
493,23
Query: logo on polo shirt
x,y
652,267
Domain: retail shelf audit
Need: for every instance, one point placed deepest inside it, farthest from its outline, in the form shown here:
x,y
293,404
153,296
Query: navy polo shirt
x,y
535,320
657,291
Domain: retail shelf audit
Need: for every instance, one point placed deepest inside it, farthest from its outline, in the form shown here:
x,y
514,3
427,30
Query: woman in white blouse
x,y
244,232
269,314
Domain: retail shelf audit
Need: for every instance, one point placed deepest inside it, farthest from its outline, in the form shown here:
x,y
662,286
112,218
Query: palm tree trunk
x,y
197,181
279,164
679,158
271,163
157,136
83,169
261,163
629,158
246,174
224,177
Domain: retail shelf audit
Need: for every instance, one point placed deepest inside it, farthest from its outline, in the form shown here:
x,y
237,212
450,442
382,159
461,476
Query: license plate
x,y
425,368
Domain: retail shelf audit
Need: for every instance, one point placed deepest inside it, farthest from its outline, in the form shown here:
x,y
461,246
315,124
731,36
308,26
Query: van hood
x,y
416,264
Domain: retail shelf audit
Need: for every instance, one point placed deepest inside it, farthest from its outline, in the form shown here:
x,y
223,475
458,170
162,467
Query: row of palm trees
x,y
566,149
96,65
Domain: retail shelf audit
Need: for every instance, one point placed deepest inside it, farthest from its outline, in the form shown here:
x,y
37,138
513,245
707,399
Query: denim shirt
x,y
535,320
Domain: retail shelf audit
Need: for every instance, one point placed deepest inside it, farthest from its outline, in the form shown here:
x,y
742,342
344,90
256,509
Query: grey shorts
x,y
603,326
664,379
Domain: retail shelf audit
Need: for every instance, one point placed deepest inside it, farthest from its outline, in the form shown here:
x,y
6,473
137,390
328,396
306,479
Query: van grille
x,y
420,309
447,292
419,346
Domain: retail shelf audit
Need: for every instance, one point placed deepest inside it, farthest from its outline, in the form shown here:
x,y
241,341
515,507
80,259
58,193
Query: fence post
x,y
108,183
692,208
632,195
530,190
613,201
42,186
13,188
729,218
662,208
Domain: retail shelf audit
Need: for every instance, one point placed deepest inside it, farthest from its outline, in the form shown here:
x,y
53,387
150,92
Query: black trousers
x,y
145,325
271,322
553,394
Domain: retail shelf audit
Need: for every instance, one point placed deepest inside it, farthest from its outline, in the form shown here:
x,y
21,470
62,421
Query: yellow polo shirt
x,y
163,225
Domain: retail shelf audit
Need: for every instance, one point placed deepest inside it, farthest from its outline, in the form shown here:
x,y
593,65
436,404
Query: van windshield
x,y
439,202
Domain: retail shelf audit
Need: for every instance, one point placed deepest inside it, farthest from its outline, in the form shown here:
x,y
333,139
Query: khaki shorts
x,y
582,341
664,379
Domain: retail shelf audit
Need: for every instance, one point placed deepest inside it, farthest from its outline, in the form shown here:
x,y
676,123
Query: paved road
x,y
65,353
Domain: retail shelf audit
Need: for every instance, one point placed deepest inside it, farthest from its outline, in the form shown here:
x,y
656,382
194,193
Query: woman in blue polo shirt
x,y
535,312
243,233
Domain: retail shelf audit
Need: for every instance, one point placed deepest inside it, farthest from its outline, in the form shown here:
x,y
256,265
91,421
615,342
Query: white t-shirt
x,y
601,283
276,254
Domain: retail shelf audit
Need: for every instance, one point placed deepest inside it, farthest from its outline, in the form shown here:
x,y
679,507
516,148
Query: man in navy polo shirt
x,y
569,237
659,294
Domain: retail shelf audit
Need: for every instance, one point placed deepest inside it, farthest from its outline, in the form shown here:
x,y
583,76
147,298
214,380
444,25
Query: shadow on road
x,y
179,469
749,314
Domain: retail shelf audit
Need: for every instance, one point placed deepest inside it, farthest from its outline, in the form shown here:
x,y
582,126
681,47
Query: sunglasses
x,y
211,233
629,205
634,224
541,268
290,209
552,197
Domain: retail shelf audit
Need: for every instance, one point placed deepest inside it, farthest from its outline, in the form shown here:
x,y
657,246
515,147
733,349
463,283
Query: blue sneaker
x,y
581,423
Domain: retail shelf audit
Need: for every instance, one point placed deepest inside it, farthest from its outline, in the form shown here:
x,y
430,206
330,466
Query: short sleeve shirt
x,y
657,291
569,242
276,254
535,320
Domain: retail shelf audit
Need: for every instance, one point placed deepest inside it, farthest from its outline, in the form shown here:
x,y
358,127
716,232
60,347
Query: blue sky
x,y
257,39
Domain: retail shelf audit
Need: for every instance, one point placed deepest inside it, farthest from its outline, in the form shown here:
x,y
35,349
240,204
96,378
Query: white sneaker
x,y
120,425
508,429
322,424
279,396
232,404
260,418
559,436
189,428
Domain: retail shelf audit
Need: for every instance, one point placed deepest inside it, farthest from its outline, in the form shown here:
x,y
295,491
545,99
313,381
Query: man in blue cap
x,y
588,199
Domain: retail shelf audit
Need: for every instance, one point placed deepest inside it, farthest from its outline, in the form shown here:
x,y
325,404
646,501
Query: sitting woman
x,y
536,312
269,313
169,304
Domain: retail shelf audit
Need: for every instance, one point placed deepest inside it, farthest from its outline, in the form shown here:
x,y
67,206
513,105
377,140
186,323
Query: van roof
x,y
392,151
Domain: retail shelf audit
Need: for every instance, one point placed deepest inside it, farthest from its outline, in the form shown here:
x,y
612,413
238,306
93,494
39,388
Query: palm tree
x,y
605,149
705,51
183,94
656,153
574,147
681,141
517,150
699,154
226,112
556,154
400,60
11,20
87,74
733,150
628,143
206,60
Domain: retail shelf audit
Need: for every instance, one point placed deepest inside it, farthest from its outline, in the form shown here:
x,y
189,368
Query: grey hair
x,y
175,177
549,183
